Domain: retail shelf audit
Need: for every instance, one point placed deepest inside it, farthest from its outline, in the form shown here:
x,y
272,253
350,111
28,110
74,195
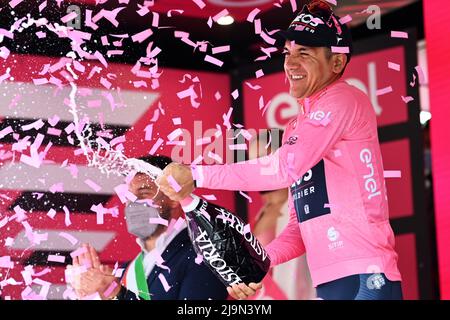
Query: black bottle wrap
x,y
232,253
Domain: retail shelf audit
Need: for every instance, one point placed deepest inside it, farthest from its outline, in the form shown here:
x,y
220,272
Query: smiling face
x,y
310,69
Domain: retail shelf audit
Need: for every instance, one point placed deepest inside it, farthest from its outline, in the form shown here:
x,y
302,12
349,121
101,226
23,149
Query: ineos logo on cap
x,y
306,19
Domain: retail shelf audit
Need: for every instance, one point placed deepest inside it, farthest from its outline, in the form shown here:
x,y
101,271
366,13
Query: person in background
x,y
292,277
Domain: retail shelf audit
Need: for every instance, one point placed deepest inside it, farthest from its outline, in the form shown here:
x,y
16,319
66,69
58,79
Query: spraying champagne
x,y
228,248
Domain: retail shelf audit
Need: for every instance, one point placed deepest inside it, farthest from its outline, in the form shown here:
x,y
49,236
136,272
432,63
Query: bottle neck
x,y
189,203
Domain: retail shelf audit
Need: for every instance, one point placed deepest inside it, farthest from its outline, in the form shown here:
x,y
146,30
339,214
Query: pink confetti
x,y
155,147
174,184
179,224
69,17
257,24
5,262
259,73
155,116
267,39
394,66
67,221
205,214
6,33
217,96
4,52
235,94
155,20
42,6
69,129
40,81
213,60
221,49
399,34
57,187
221,14
9,242
164,282
110,289
3,222
209,22
41,34
111,53
170,12
100,58
202,141
214,156
78,252
407,99
345,19
94,103
143,10
53,121
413,82
420,73
246,196
55,258
14,3
54,132
117,140
247,135
73,169
251,16
210,197
68,237
176,121
224,218
384,91
104,40
139,84
20,213
105,83
124,194
196,162
253,87
93,185
51,213
241,146
148,132
199,259
199,3
175,134
392,174
109,15
340,49
159,220
294,5
4,132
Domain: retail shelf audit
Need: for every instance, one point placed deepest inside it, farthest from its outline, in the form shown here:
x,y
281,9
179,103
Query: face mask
x,y
137,218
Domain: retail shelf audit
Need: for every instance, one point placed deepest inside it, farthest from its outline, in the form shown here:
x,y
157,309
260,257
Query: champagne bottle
x,y
231,252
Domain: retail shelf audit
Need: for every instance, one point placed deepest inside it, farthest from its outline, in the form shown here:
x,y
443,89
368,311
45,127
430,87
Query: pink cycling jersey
x,y
331,161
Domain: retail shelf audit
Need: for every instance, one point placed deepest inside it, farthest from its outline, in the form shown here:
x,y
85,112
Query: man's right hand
x,y
242,291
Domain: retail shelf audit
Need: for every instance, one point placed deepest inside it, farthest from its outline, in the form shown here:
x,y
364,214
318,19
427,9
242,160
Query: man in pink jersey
x,y
330,160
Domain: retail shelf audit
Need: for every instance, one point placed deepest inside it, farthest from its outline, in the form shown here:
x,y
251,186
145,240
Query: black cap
x,y
318,29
